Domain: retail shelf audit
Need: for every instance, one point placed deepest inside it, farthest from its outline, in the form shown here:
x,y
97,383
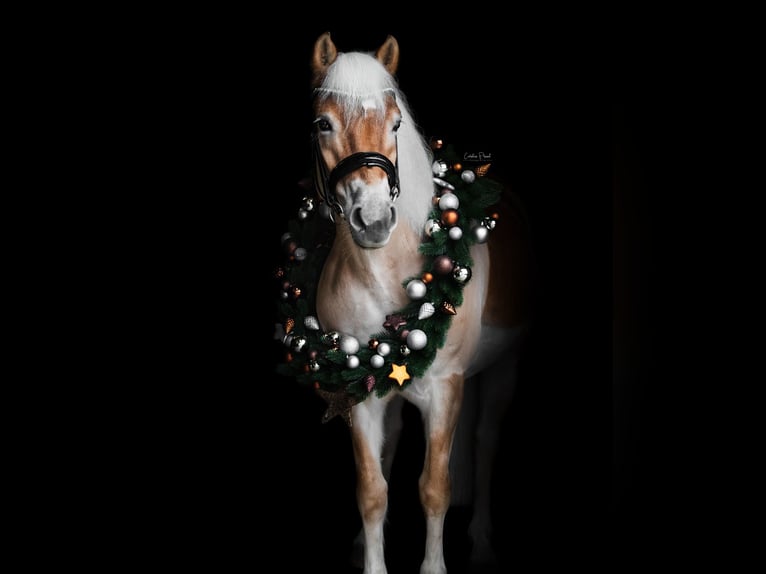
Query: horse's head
x,y
355,134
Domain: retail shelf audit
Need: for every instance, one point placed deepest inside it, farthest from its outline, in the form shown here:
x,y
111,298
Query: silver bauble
x,y
349,344
417,339
455,233
416,289
480,233
468,176
377,361
461,273
449,201
352,361
383,349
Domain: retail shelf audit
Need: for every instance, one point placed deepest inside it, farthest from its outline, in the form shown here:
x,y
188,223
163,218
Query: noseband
x,y
326,182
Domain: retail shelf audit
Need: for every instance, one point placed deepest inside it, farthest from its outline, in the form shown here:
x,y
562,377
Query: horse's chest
x,y
356,310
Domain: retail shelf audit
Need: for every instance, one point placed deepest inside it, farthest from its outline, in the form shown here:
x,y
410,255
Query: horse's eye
x,y
397,125
323,125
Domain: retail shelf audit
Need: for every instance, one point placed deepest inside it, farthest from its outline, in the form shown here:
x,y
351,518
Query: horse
x,y
403,238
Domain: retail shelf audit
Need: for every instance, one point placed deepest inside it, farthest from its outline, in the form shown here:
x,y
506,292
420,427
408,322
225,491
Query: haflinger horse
x,y
378,182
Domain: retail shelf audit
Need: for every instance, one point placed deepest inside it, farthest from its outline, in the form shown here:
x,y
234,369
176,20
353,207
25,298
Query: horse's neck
x,y
358,287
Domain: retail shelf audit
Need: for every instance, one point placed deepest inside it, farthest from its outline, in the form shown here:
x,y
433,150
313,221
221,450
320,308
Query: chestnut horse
x,y
378,181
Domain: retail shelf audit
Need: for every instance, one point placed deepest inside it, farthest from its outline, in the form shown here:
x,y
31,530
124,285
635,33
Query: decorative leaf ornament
x,y
409,338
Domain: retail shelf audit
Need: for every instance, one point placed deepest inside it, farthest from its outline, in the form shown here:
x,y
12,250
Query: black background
x,y
243,469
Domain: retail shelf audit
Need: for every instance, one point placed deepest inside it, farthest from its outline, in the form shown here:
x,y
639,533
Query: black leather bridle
x,y
326,181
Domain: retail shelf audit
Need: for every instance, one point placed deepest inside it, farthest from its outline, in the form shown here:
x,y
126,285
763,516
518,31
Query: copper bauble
x,y
443,265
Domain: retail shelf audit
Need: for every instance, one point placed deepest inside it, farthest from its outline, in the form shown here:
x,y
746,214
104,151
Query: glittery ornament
x,y
393,322
443,183
447,308
489,223
300,254
369,382
308,203
289,324
313,366
482,170
311,323
295,292
338,404
426,310
404,351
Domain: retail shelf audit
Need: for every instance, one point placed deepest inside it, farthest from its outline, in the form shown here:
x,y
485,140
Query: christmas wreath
x,y
343,370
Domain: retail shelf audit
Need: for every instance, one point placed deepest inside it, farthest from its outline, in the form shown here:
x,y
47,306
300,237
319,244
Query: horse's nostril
x,y
393,216
356,219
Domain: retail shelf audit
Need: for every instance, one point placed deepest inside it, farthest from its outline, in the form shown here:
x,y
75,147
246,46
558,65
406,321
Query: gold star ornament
x,y
399,373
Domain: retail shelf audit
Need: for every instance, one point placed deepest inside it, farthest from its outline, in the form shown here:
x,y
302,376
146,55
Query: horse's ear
x,y
325,53
388,54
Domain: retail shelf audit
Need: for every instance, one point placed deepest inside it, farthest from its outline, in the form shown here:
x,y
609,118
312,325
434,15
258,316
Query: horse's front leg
x,y
372,488
440,417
